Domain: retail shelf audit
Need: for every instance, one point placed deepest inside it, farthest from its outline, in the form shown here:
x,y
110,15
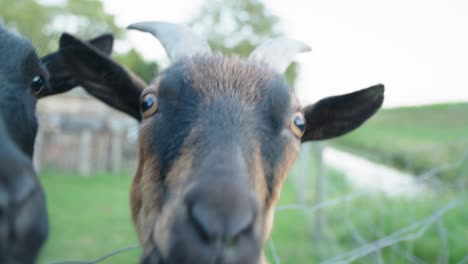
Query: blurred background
x,y
393,191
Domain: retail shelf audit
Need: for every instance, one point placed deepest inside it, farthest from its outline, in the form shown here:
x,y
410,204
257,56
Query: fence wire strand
x,y
100,259
365,246
433,187
411,232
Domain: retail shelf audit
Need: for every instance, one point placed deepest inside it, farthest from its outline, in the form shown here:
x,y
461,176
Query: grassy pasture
x,y
416,139
90,217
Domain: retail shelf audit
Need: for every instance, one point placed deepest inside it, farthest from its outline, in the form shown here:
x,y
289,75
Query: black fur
x,y
337,115
23,217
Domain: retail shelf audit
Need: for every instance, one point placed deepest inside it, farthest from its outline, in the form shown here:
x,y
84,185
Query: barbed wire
x,y
411,232
100,259
367,246
274,253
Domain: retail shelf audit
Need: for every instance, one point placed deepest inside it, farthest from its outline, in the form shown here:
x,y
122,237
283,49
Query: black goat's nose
x,y
221,215
23,215
212,226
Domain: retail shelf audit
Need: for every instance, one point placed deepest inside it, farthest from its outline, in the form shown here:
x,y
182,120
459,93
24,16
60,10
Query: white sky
x,y
417,48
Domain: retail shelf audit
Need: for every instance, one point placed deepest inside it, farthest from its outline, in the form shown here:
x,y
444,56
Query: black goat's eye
x,y
148,105
298,124
37,84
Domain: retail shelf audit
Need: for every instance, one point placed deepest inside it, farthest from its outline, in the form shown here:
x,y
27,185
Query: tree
x,y
133,60
43,22
16,15
238,27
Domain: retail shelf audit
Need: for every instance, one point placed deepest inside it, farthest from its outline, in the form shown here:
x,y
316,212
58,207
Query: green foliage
x,y
235,26
90,18
17,16
43,22
133,60
238,27
416,139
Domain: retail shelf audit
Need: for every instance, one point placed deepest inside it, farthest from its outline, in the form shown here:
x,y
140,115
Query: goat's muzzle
x,y
218,220
23,215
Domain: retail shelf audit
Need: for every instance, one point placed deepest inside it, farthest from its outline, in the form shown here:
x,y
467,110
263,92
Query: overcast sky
x,y
417,48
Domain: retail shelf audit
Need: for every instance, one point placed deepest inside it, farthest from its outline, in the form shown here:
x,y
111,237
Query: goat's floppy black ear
x,y
102,77
61,79
338,115
103,43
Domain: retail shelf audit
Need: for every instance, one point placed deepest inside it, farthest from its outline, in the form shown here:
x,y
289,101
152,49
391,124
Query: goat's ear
x,y
103,78
61,79
103,43
335,116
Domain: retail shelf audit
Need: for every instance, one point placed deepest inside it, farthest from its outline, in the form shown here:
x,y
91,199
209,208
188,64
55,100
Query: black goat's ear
x,y
335,116
60,78
104,43
102,77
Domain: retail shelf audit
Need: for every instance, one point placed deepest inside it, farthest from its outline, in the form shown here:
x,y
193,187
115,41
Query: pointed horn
x,y
178,40
278,52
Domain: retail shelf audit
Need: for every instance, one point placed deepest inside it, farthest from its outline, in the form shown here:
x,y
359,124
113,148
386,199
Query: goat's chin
x,y
154,257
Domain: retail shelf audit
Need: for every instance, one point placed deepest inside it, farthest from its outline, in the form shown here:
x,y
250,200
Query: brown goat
x,y
218,136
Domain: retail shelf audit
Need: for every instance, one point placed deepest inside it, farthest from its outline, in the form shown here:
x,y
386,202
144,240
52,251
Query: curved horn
x,y
178,40
278,52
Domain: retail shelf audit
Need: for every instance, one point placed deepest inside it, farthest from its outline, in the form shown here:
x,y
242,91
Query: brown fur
x,y
212,77
290,156
144,196
228,76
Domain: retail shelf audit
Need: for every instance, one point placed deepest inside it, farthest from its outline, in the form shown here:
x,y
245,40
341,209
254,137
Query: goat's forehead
x,y
214,76
15,51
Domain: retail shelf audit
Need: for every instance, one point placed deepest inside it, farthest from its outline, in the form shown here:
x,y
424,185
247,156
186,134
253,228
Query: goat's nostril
x,y
4,201
152,258
215,224
204,223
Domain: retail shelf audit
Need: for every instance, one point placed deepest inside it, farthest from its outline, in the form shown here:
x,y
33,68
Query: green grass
x,y
348,226
414,138
90,217
291,232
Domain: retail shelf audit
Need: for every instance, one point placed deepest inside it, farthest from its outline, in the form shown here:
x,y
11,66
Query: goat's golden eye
x,y
298,124
37,84
148,105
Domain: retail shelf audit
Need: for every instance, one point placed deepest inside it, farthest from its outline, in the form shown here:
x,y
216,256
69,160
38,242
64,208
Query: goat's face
x,y
216,143
218,136
23,79
23,218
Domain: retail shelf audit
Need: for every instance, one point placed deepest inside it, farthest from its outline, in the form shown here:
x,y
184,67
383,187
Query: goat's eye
x,y
37,84
298,124
148,105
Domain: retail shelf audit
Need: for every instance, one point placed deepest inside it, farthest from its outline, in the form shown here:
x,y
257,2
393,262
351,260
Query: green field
x,y
90,217
416,139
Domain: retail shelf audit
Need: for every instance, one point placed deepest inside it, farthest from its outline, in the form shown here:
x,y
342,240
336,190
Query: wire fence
x,y
364,225
340,212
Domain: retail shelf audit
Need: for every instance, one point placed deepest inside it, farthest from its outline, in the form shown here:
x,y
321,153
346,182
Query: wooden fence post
x,y
38,145
85,153
319,192
301,177
116,152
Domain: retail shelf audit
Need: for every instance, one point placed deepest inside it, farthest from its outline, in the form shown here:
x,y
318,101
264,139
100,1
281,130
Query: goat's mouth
x,y
155,257
183,244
